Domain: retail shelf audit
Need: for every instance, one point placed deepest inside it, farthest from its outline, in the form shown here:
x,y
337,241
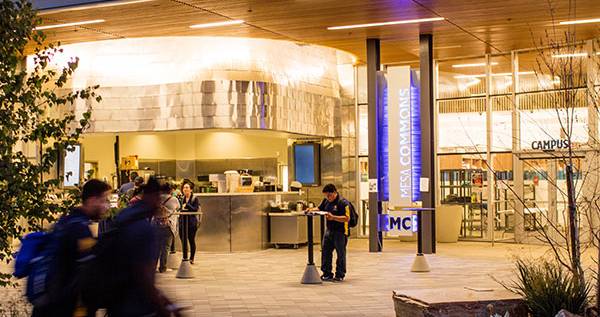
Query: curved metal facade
x,y
218,104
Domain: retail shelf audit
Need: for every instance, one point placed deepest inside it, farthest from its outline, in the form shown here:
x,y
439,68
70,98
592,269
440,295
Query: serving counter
x,y
234,222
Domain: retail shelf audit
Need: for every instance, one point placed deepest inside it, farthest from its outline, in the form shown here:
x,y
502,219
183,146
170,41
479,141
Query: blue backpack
x,y
36,260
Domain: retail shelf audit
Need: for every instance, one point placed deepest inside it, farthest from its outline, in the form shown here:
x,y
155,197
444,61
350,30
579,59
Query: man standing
x,y
336,235
127,186
75,246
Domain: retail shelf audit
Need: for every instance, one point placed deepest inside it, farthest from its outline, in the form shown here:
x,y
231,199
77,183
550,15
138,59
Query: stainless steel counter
x,y
236,221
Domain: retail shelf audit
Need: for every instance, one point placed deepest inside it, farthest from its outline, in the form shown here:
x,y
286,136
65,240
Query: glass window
x,y
461,78
540,126
501,75
462,126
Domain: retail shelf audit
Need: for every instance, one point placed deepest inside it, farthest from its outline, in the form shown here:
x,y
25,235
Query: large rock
x,y
458,302
564,313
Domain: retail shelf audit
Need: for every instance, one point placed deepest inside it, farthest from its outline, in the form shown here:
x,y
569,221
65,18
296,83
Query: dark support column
x,y
427,224
117,155
373,64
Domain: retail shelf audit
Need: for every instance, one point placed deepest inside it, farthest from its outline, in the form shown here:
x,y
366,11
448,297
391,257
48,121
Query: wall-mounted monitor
x,y
307,163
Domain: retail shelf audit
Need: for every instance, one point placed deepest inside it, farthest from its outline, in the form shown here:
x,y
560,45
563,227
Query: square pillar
x,y
373,66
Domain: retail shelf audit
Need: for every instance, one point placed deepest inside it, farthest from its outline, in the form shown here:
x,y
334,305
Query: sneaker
x,y
326,278
338,279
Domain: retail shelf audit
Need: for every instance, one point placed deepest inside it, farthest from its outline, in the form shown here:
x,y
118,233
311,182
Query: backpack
x,y
353,215
37,259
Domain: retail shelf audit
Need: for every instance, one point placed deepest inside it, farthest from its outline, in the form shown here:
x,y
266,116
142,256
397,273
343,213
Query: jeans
x,y
333,240
192,227
164,236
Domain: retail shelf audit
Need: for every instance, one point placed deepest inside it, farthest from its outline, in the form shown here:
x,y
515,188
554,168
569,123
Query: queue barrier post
x,y
420,264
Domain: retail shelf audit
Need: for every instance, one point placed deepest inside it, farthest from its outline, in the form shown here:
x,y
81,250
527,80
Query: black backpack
x,y
353,215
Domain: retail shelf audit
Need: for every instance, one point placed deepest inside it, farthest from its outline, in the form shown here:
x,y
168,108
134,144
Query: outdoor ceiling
x,y
471,27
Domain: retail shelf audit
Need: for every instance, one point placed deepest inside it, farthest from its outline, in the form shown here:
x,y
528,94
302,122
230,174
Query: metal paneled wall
x,y
207,104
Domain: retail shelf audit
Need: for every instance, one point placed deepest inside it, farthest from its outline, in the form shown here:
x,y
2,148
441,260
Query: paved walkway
x,y
267,283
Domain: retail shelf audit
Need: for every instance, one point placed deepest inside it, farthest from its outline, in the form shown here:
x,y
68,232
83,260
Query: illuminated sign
x,y
550,145
398,223
404,137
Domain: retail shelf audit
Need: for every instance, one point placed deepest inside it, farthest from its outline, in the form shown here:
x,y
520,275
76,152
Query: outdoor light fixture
x,y
472,65
45,27
216,24
597,20
368,25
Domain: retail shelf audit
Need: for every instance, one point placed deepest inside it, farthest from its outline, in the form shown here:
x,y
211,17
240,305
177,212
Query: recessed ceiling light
x,y
582,54
597,20
367,25
473,65
493,75
216,24
53,26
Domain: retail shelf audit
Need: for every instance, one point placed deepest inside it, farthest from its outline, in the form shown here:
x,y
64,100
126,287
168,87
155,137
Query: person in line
x,y
336,235
129,185
163,224
137,253
174,218
188,223
75,246
135,194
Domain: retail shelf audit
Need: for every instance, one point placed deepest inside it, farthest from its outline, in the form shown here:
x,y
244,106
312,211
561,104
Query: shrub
x,y
547,287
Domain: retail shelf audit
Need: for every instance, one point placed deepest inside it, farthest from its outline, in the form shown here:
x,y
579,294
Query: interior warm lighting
x,y
368,25
473,65
597,20
53,26
216,24
493,75
473,82
569,55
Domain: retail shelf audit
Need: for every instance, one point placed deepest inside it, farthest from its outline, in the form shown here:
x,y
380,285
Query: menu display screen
x,y
307,164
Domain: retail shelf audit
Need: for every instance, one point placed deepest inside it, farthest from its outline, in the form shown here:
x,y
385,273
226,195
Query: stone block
x,y
457,302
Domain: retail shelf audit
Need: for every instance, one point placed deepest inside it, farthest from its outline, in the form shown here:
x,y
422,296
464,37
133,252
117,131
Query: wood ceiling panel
x,y
475,26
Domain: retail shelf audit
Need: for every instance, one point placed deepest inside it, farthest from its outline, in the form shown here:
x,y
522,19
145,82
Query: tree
x,y
566,70
36,110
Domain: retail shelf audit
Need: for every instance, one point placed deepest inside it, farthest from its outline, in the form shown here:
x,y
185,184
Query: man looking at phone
x,y
336,235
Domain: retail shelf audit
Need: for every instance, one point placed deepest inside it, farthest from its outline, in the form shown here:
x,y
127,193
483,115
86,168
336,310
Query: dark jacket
x,y
137,255
76,244
192,205
338,207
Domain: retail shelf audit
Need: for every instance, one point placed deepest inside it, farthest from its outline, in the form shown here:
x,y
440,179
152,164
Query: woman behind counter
x,y
189,203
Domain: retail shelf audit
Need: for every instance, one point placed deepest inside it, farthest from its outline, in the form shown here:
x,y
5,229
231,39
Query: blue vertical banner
x,y
382,138
415,133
